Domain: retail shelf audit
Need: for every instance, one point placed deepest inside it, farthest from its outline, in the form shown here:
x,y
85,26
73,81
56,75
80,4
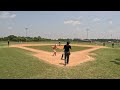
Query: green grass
x,y
49,48
116,45
18,64
15,63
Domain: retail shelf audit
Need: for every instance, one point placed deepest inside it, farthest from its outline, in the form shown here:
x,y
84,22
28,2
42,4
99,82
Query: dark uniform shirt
x,y
67,48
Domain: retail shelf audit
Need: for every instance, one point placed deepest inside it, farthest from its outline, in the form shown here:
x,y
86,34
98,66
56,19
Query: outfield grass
x,y
49,48
18,64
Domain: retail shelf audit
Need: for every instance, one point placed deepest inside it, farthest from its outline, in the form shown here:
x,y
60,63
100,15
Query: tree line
x,y
39,38
23,39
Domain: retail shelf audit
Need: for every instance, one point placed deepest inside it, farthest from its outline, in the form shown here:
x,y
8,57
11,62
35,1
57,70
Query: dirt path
x,y
75,57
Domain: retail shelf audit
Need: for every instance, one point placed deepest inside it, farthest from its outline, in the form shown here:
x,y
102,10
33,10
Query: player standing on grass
x,y
103,43
67,48
8,43
113,45
59,43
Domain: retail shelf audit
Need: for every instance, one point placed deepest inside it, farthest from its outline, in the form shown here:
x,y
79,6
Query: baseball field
x,y
33,60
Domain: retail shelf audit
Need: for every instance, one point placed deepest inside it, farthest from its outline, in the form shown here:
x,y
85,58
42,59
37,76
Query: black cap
x,y
68,42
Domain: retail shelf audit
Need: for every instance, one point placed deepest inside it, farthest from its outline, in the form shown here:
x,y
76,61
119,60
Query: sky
x,y
61,24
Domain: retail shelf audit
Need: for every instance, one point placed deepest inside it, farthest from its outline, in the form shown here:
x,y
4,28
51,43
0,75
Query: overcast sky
x,y
61,24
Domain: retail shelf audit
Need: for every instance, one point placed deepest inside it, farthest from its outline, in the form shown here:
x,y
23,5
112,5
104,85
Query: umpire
x,y
67,48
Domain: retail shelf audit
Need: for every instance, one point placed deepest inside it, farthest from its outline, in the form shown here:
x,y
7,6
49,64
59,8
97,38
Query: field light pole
x,y
26,33
87,32
111,36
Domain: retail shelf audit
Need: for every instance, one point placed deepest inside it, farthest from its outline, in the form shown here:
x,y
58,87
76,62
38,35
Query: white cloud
x,y
9,27
13,16
80,17
72,21
96,19
110,22
6,15
77,28
110,31
30,25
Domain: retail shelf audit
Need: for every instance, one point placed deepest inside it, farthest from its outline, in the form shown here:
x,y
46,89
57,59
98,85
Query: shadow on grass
x,y
117,61
61,63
